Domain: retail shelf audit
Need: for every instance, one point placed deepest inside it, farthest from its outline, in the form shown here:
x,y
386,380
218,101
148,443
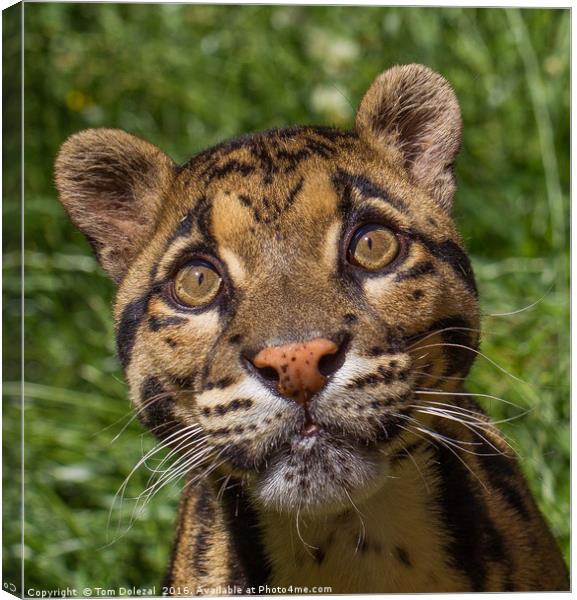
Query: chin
x,y
318,475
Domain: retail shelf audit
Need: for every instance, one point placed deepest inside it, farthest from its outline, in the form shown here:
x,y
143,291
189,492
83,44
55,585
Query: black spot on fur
x,y
318,555
219,431
395,341
403,556
170,342
220,384
225,382
417,294
158,323
376,351
350,319
382,376
387,376
236,404
236,338
364,381
184,381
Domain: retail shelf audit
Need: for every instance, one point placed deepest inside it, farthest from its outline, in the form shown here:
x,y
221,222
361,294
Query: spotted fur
x,y
407,487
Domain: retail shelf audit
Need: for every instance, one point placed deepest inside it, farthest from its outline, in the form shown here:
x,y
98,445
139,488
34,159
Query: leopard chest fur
x,y
391,542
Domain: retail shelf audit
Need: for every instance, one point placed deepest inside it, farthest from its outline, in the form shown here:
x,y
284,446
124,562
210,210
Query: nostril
x,y
265,372
268,373
330,363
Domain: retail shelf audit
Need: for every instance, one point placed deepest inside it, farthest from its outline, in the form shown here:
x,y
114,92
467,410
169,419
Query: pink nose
x,y
297,367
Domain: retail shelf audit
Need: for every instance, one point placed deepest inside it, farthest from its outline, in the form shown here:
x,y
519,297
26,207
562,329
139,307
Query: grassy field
x,y
184,77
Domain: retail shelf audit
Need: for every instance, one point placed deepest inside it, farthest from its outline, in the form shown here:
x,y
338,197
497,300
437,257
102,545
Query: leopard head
x,y
285,297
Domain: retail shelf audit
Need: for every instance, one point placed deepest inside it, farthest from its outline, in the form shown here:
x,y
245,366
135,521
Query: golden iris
x,y
373,247
197,284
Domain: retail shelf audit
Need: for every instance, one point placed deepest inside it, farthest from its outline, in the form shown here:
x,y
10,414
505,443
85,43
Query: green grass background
x,y
186,76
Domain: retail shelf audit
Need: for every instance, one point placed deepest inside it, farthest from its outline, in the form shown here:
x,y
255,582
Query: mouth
x,y
317,472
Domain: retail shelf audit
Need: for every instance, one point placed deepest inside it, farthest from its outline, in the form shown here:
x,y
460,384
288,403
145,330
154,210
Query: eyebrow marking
x,y
344,182
184,226
418,270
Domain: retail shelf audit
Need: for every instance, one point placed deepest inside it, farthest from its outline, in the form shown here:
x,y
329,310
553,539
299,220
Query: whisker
x,y
516,312
182,470
472,394
363,530
486,419
479,353
223,487
438,331
157,448
486,424
444,377
185,443
306,545
183,464
468,425
435,435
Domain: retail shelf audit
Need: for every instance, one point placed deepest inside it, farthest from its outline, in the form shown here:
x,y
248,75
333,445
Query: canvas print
x,y
295,313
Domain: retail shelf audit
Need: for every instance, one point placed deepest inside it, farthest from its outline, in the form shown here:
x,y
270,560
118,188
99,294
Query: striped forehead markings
x,y
274,150
345,182
265,211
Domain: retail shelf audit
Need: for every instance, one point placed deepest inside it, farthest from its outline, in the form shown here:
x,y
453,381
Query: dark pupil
x,y
199,278
369,242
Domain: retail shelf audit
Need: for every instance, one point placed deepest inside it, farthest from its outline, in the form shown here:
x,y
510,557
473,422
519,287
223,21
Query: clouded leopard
x,y
296,316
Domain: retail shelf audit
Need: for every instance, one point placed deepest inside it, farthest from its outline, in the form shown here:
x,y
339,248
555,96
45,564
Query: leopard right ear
x,y
412,113
112,185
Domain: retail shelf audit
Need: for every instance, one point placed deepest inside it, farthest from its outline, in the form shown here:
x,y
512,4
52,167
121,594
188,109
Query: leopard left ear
x,y
413,112
112,185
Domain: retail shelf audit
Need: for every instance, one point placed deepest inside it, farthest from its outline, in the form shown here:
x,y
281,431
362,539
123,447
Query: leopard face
x,y
285,297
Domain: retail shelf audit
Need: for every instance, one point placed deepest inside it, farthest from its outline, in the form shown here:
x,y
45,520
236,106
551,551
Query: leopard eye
x,y
373,247
197,284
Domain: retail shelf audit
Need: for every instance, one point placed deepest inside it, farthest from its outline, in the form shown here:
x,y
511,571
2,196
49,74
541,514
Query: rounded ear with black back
x,y
112,185
412,111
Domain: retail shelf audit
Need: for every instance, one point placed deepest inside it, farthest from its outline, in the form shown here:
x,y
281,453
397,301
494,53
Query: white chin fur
x,y
317,475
